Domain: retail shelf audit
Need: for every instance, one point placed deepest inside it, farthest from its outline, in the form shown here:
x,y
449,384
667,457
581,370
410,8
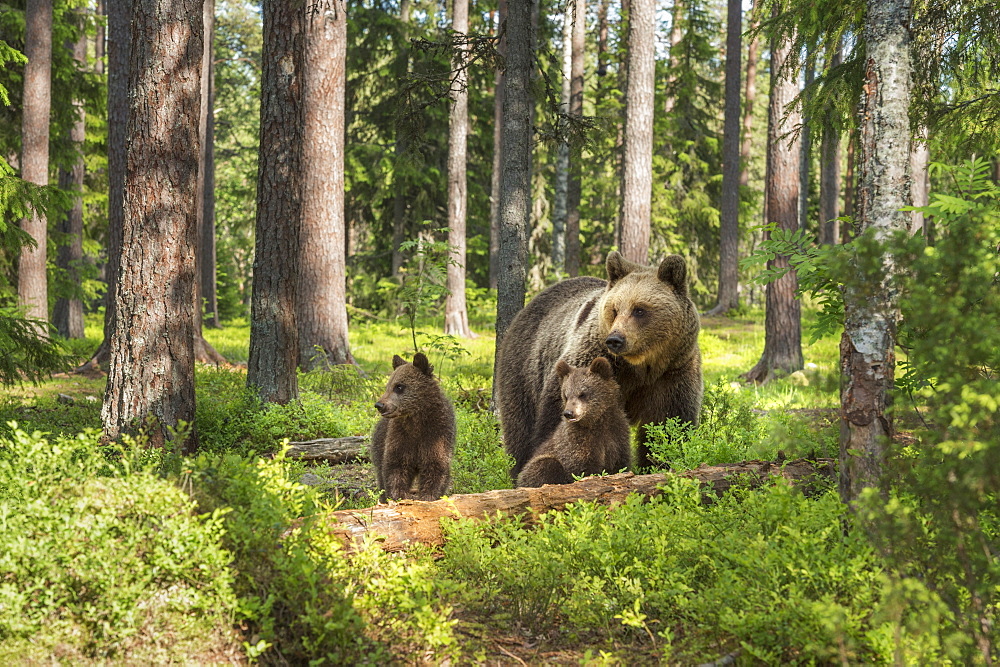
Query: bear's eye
x,y
583,396
614,313
398,388
638,312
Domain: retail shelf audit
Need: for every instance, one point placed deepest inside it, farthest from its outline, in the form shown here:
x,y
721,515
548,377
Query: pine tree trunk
x,y
729,214
32,281
850,184
749,96
562,150
670,101
637,156
515,185
829,176
399,184
805,162
119,17
151,377
871,311
274,338
67,315
496,177
456,316
322,293
782,317
206,179
575,185
602,37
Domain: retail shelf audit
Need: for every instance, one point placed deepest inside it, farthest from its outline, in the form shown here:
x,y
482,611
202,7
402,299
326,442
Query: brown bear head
x,y
407,388
646,316
587,392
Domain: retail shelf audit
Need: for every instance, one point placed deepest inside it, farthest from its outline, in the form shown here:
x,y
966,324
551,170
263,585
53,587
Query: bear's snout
x,y
615,342
381,407
568,415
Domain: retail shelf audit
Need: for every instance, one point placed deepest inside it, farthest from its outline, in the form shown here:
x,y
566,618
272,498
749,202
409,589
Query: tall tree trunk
x,y
119,36
151,378
496,178
805,162
920,157
749,95
676,12
829,175
515,186
322,297
101,11
399,182
782,317
274,338
67,316
206,178
871,311
729,220
562,150
602,37
32,281
637,156
456,316
850,184
575,185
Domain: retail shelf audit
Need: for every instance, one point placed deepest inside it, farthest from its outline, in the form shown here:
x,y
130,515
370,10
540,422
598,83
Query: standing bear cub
x,y
593,436
642,317
414,440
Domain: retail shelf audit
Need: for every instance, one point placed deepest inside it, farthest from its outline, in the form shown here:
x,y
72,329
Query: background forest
x,y
351,188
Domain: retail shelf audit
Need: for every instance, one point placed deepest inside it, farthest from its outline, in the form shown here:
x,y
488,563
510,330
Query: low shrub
x,y
101,559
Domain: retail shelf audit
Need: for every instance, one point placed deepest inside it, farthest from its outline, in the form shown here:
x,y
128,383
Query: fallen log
x,y
333,450
397,525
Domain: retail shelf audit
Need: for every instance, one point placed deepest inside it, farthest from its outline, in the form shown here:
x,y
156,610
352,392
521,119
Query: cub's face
x,y
587,392
406,387
646,310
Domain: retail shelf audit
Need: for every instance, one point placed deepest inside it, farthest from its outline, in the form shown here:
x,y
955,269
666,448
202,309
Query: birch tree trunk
x,y
456,315
637,156
151,376
321,305
515,188
920,157
274,338
729,221
67,315
871,305
32,280
782,318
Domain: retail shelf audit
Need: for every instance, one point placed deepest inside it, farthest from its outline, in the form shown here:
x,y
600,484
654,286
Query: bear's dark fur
x,y
413,442
593,436
642,317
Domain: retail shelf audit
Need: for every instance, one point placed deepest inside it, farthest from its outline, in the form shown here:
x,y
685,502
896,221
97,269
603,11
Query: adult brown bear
x,y
641,318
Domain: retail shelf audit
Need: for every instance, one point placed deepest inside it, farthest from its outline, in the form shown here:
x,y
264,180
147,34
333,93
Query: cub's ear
x,y
618,267
397,361
424,366
673,271
562,369
602,367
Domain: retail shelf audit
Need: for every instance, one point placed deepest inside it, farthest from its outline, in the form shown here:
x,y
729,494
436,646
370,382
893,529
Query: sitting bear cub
x,y
414,440
593,436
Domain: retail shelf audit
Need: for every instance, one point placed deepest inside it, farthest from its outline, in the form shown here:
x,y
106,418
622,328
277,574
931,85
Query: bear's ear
x,y
424,366
618,267
397,361
602,367
673,271
562,369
